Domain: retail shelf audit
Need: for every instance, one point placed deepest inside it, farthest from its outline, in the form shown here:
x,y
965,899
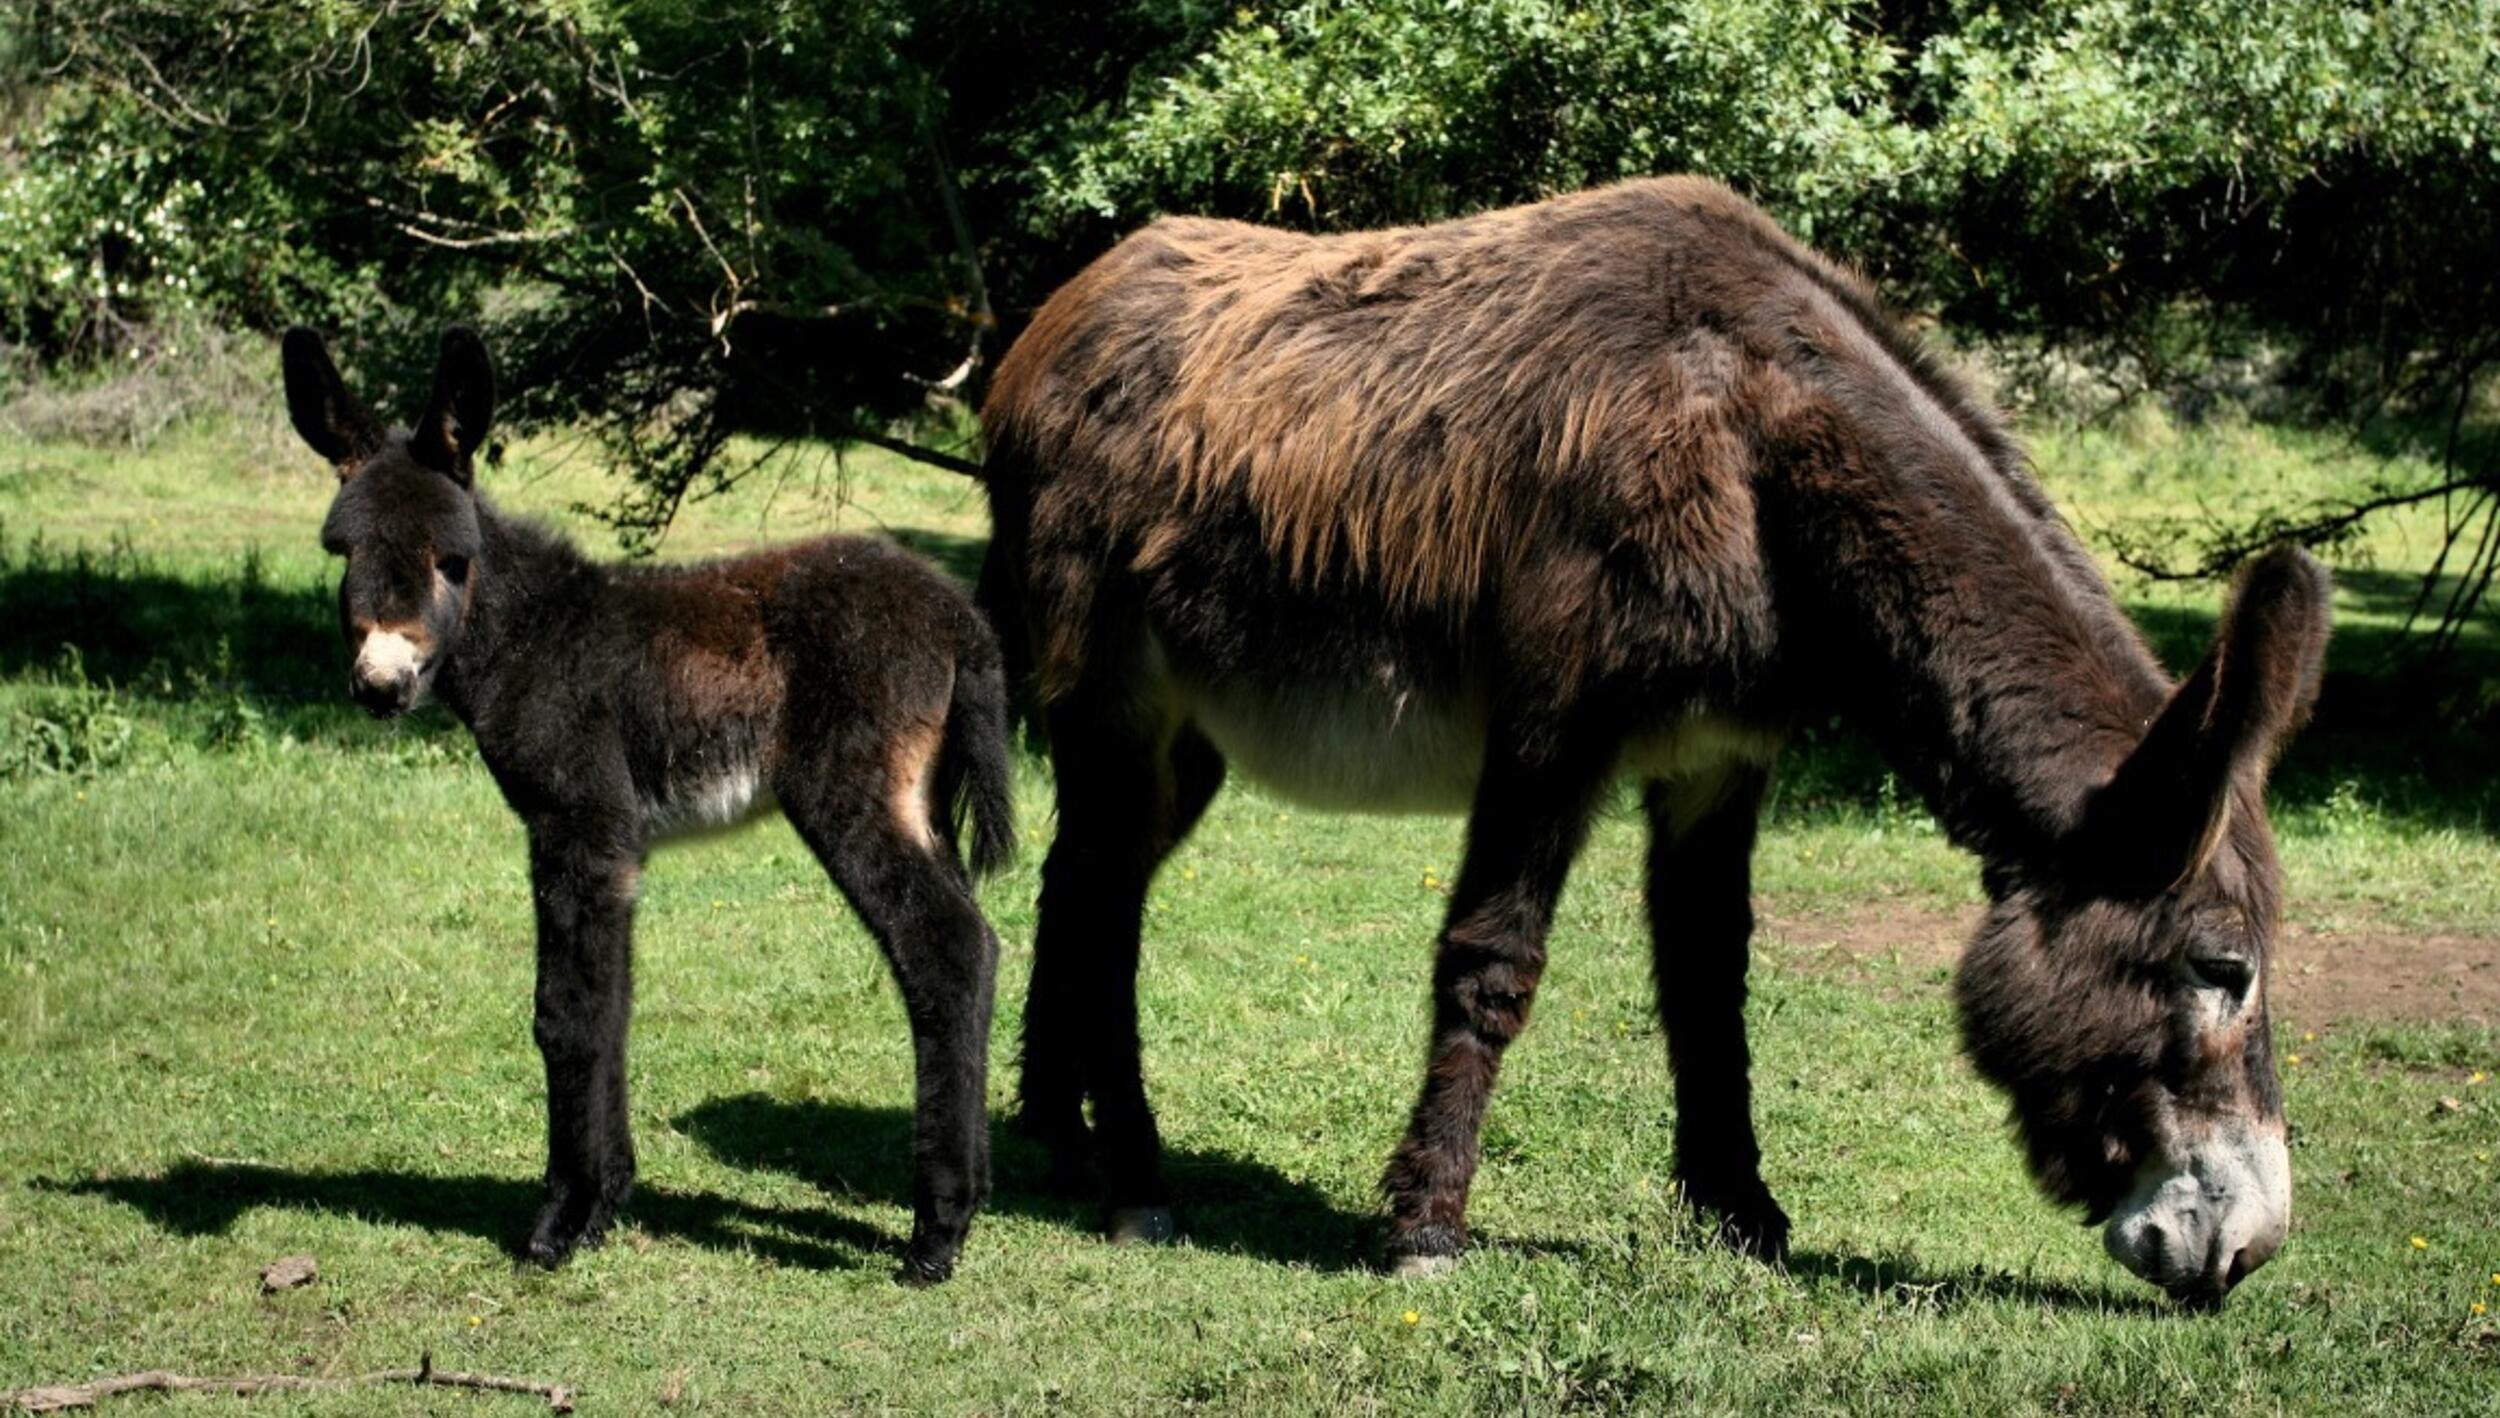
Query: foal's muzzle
x,y
388,676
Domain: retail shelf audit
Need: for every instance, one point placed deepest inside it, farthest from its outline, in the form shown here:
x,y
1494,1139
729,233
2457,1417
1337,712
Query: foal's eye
x,y
455,569
2224,972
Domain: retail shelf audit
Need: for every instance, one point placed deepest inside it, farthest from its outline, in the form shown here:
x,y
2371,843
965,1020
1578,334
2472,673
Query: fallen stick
x,y
53,1398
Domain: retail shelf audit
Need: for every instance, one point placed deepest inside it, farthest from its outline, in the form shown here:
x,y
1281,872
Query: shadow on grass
x,y
861,1155
205,1199
1895,1280
1226,1203
2413,737
959,557
174,639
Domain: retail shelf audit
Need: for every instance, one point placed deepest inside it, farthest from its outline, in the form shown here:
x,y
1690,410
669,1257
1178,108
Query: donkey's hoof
x,y
1750,1223
1762,1235
556,1236
919,1272
1421,1267
1141,1225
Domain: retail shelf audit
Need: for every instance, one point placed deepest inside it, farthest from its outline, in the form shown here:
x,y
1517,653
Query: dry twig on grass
x,y
56,1397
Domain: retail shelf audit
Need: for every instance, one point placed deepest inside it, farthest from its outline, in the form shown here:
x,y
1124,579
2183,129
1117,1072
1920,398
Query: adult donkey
x,y
1489,514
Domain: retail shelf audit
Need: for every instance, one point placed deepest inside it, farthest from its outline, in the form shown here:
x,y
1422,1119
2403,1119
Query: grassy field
x,y
265,981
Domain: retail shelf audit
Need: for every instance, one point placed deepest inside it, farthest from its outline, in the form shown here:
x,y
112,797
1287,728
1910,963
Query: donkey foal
x,y
839,679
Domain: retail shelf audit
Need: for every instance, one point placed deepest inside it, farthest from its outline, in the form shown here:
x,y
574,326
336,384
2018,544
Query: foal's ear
x,y
329,418
2160,818
453,426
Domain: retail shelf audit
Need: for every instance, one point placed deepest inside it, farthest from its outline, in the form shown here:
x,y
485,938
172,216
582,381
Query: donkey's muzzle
x,y
385,698
389,673
2199,1225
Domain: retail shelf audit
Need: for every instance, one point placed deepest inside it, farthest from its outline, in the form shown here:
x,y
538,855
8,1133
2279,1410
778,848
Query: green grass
x,y
265,980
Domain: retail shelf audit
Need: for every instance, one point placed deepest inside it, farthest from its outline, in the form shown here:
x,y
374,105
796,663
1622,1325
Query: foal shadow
x,y
856,1154
1226,1203
1893,1279
206,1198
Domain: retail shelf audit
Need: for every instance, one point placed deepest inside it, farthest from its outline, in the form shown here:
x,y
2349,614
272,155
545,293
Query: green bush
x,y
690,220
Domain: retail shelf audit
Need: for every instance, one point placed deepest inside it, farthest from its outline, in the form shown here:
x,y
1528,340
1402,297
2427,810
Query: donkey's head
x,y
405,518
2120,995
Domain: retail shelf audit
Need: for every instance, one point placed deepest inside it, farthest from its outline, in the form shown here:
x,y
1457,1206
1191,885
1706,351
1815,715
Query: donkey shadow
x,y
857,1154
1227,1204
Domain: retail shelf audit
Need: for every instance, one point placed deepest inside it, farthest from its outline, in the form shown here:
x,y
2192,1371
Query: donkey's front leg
x,y
584,876
1530,816
1701,836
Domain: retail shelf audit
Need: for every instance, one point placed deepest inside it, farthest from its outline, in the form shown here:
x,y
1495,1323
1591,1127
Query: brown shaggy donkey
x,y
1488,515
840,680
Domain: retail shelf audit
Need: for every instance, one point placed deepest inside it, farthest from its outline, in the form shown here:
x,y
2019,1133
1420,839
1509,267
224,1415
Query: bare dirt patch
x,y
2320,978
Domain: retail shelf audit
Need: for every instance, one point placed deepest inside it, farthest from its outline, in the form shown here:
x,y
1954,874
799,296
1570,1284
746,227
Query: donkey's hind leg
x,y
1530,816
583,874
1701,837
1128,794
893,864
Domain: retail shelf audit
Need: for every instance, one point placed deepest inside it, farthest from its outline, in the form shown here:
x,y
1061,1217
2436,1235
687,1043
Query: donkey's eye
x,y
2224,972
455,569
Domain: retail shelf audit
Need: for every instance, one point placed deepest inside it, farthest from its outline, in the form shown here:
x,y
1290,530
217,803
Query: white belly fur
x,y
1347,750
730,794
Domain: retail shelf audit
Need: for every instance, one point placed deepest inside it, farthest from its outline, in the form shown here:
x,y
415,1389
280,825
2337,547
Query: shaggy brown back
x,y
1405,406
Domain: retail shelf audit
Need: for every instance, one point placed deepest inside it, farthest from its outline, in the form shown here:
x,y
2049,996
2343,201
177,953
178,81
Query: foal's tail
x,y
974,777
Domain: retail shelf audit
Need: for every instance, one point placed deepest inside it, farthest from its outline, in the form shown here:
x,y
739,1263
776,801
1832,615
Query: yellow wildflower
x,y
2292,1059
2421,1245
475,1321
1411,1317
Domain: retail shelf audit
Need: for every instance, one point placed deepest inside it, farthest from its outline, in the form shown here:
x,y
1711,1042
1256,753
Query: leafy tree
x,y
692,219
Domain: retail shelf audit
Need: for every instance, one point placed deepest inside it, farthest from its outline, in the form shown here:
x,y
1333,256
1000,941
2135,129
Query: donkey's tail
x,y
975,779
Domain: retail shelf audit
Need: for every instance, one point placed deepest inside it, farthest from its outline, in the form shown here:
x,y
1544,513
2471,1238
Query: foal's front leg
x,y
584,876
1530,816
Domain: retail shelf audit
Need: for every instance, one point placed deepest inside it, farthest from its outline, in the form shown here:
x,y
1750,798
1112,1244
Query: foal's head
x,y
405,518
2119,996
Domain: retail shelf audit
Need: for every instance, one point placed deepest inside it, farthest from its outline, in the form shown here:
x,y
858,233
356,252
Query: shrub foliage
x,y
697,219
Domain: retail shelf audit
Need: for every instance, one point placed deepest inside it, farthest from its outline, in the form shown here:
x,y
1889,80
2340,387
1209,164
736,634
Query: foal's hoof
x,y
1421,1267
1141,1225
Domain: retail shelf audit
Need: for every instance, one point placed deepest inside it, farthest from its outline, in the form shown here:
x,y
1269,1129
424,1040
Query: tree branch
x,y
935,458
57,1397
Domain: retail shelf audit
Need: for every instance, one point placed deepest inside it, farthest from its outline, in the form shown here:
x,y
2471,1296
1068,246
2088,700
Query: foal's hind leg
x,y
1531,814
1701,837
583,875
1125,802
893,864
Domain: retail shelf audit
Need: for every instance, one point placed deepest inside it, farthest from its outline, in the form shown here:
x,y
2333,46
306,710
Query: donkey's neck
x,y
531,583
2009,683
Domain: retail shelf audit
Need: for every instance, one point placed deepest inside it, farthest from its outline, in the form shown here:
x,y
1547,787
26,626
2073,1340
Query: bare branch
x,y
935,458
56,1397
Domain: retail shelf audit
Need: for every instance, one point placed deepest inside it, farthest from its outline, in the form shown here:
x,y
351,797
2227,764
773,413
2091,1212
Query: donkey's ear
x,y
329,418
453,426
2159,819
